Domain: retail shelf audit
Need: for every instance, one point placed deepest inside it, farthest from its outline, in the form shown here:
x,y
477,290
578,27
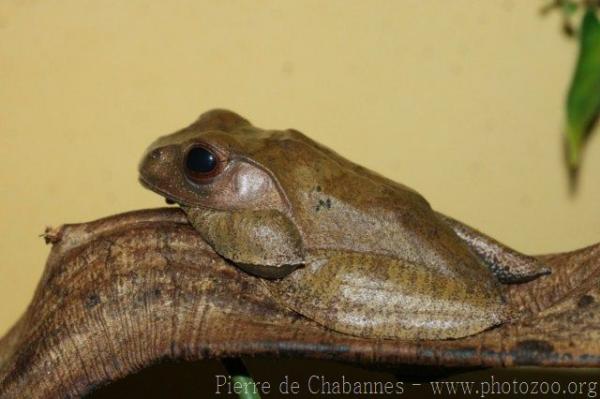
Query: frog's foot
x,y
512,267
508,265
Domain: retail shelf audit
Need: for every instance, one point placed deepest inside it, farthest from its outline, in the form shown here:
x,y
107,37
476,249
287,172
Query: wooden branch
x,y
123,292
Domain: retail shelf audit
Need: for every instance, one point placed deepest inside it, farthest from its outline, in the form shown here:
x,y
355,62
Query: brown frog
x,y
334,241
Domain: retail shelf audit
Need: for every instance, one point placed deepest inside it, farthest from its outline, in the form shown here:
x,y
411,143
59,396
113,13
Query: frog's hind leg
x,y
376,296
508,265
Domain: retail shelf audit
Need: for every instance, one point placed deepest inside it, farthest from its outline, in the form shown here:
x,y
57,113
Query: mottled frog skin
x,y
334,241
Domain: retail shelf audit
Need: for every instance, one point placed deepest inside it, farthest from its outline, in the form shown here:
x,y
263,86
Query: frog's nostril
x,y
156,154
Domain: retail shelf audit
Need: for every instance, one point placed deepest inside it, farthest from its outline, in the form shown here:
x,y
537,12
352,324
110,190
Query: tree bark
x,y
124,292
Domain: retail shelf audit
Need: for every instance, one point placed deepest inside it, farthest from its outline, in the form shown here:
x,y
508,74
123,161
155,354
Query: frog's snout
x,y
156,162
158,169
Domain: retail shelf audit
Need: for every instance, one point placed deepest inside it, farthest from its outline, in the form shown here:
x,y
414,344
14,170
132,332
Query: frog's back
x,y
338,205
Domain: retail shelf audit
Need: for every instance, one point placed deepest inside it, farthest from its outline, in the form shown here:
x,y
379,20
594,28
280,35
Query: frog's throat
x,y
146,184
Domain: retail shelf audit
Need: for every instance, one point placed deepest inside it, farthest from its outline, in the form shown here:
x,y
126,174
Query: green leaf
x,y
583,101
569,7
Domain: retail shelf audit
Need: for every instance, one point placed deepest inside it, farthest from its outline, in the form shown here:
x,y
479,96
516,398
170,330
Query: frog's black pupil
x,y
200,160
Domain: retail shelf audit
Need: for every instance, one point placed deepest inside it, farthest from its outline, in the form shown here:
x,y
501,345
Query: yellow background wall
x,y
460,100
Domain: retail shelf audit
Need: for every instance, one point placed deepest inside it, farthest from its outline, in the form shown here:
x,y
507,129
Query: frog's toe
x,y
527,268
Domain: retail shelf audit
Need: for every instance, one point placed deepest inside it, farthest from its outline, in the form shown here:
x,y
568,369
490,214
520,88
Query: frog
x,y
335,242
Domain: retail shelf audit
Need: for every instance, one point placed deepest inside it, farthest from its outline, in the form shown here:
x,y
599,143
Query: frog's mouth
x,y
170,200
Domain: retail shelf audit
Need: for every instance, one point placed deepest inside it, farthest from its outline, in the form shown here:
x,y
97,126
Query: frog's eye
x,y
201,163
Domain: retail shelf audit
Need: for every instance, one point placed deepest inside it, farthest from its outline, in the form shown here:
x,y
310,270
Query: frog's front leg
x,y
508,265
262,242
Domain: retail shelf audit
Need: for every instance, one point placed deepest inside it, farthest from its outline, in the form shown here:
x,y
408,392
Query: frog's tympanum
x,y
332,240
